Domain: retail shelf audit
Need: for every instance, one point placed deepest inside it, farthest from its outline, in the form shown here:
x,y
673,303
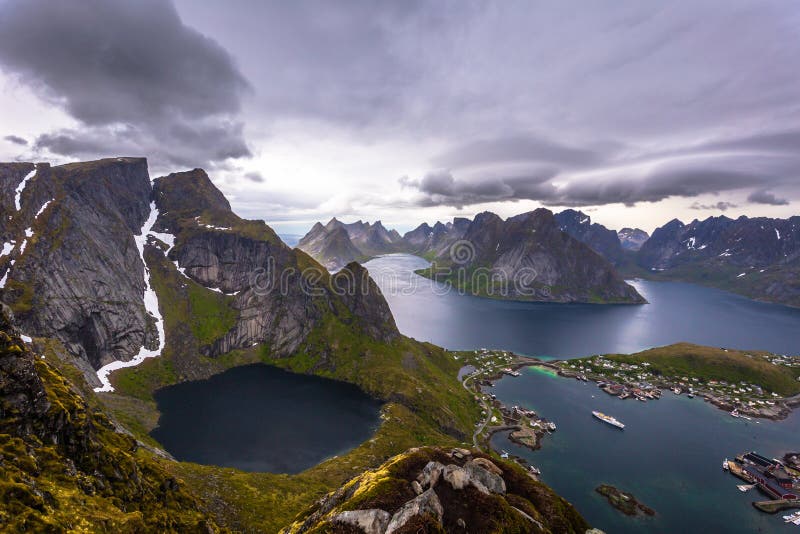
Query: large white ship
x,y
608,419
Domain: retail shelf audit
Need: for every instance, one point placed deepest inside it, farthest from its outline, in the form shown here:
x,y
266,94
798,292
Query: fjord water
x,y
677,312
261,418
671,451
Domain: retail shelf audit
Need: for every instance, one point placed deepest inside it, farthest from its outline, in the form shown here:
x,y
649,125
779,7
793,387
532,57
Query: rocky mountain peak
x,y
632,238
189,194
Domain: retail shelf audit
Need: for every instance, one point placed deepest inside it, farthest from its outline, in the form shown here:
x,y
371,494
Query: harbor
x,y
676,472
771,476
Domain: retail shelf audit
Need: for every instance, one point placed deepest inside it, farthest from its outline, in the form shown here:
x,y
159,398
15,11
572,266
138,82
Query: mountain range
x,y
755,257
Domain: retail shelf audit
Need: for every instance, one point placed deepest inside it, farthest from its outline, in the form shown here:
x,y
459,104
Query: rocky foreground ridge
x,y
441,490
64,465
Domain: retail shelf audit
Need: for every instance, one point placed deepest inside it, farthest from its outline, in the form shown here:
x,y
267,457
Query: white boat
x,y
608,419
725,465
746,487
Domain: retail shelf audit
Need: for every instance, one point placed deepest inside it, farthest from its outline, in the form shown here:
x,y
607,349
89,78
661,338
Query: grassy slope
x,y
711,363
106,484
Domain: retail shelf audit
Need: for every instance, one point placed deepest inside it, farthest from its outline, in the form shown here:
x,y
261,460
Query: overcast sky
x,y
635,112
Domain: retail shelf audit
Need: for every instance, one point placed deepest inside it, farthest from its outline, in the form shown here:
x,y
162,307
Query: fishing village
x,y
643,381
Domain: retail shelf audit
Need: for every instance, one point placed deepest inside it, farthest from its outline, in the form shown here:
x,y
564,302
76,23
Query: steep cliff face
x,y
599,238
73,271
279,294
758,257
528,257
441,490
63,465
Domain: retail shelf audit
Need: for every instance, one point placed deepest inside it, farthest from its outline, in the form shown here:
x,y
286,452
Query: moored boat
x,y
608,419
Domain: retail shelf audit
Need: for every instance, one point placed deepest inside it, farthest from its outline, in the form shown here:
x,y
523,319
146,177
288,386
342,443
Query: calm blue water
x,y
677,312
261,418
671,452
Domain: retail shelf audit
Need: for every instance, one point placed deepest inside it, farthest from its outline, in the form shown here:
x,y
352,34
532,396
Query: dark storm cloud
x,y
129,69
765,197
441,188
656,180
17,140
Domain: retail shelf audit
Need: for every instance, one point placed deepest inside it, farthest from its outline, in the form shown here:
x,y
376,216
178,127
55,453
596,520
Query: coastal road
x,y
483,402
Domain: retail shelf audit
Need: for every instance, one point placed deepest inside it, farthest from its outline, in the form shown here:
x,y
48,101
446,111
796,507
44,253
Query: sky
x,y
416,111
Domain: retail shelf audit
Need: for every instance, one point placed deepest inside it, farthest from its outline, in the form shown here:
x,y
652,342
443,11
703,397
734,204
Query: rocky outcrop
x,y
757,257
438,490
364,299
73,271
528,257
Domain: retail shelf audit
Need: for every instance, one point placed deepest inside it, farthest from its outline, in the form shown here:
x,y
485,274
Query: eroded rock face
x,y
369,521
79,277
364,299
423,505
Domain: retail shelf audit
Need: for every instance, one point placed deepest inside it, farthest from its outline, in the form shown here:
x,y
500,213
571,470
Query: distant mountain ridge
x,y
632,238
567,270
599,238
758,257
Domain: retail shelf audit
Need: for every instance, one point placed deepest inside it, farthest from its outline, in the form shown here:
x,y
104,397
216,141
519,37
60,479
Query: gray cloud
x,y
720,206
255,177
517,148
686,177
132,73
17,140
765,197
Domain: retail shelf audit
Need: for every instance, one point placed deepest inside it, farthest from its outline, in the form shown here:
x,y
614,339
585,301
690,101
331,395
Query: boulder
x,y
426,504
430,474
373,521
487,464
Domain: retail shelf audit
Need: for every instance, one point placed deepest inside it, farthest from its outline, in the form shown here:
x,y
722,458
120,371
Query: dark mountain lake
x,y
670,453
261,418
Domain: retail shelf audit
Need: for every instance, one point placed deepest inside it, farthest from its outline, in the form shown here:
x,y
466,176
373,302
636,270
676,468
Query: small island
x,y
623,501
